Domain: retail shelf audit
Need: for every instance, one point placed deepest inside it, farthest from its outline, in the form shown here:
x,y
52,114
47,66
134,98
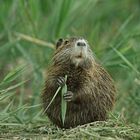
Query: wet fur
x,y
91,85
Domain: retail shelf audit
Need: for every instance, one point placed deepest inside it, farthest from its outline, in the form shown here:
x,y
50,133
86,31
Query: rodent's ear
x,y
59,42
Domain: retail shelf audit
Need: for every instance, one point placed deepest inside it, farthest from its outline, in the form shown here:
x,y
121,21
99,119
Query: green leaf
x,y
63,102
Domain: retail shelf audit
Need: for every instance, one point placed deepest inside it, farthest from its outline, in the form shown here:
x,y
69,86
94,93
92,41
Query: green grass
x,y
28,32
110,130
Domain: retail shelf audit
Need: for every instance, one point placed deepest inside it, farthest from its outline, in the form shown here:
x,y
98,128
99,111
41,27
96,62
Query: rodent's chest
x,y
75,81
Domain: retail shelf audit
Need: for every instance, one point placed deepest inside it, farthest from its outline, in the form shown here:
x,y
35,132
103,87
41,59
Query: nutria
x,y
91,90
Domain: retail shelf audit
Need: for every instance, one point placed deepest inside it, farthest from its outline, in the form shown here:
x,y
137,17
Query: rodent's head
x,y
75,51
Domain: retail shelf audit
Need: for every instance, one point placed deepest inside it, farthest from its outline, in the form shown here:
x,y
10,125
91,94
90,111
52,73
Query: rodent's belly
x,y
76,115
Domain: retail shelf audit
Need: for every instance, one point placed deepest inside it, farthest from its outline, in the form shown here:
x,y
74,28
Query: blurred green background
x,y
29,30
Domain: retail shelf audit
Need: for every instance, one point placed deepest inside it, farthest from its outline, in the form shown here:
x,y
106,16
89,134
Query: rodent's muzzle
x,y
81,43
79,52
80,48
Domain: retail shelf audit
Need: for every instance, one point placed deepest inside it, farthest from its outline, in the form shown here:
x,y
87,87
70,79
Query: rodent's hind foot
x,y
68,96
61,81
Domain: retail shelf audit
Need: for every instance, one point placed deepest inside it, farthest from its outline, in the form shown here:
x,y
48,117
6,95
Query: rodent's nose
x,y
81,43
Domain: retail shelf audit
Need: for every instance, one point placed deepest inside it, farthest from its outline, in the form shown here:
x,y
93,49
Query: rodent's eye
x,y
59,42
66,42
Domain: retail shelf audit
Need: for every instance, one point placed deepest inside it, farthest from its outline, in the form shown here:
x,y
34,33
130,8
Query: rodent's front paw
x,y
68,96
61,81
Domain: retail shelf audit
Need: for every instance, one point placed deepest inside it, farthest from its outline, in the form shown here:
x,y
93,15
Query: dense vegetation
x,y
28,32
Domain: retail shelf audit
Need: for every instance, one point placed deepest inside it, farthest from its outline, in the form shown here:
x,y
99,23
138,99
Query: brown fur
x,y
92,86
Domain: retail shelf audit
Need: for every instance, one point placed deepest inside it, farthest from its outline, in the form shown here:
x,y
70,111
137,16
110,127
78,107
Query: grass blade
x,y
52,99
63,102
13,74
126,60
13,87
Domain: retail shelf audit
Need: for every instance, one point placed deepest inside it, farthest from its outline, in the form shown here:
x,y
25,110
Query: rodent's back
x,y
91,85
